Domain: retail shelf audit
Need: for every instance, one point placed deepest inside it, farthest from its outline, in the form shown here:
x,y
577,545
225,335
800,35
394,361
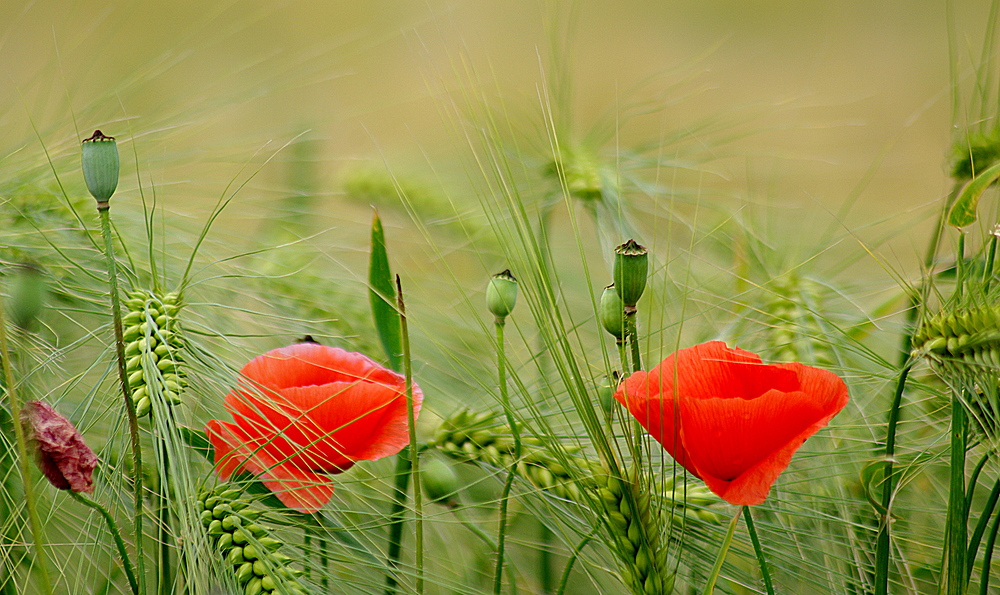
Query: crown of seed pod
x,y
501,294
27,295
612,312
100,165
631,269
246,547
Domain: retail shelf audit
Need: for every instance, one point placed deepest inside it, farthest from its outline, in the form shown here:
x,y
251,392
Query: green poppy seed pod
x,y
27,295
612,312
439,481
100,166
501,294
631,268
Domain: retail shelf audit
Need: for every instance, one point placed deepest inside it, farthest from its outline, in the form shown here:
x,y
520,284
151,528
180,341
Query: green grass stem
x,y
23,457
984,581
956,534
977,533
564,579
411,419
727,541
133,421
397,517
758,550
882,541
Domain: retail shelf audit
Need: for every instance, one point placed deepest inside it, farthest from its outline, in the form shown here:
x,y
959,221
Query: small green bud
x,y
501,294
631,269
439,481
612,312
27,295
100,166
606,393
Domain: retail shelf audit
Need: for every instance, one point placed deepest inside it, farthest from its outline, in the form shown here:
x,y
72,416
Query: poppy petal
x,y
236,450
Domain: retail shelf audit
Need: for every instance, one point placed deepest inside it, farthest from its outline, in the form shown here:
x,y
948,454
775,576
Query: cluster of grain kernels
x,y
153,345
245,546
969,336
636,534
795,334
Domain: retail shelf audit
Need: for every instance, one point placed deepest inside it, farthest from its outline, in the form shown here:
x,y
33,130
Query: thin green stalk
x,y
960,265
713,576
115,533
984,581
564,579
545,559
133,421
882,542
306,543
23,458
411,419
324,560
398,517
515,433
956,534
758,550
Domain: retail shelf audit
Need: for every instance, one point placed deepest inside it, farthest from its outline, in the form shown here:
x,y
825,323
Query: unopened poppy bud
x,y
100,166
612,312
631,268
439,481
61,453
27,295
501,294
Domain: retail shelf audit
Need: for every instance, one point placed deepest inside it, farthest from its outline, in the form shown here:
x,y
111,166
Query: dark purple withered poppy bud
x,y
61,453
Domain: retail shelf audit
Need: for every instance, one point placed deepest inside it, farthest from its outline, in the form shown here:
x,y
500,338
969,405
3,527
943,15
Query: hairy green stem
x,y
115,533
882,542
411,418
956,534
632,330
515,433
622,356
713,576
133,421
23,458
397,517
761,561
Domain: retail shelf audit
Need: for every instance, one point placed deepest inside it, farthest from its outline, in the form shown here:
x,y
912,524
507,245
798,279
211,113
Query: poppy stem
x,y
758,550
411,422
133,421
509,481
22,455
115,533
713,576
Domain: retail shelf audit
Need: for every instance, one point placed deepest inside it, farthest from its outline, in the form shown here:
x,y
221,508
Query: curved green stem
x,y
758,550
133,421
515,433
984,581
632,330
115,533
882,542
23,458
397,517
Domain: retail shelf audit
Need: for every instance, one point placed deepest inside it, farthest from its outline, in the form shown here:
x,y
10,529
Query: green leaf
x,y
382,296
963,212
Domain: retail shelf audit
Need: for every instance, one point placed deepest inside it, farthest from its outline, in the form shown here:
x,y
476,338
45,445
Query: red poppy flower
x,y
730,419
308,410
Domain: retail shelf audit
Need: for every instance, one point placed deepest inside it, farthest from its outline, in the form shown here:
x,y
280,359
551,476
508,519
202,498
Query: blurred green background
x,y
829,89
